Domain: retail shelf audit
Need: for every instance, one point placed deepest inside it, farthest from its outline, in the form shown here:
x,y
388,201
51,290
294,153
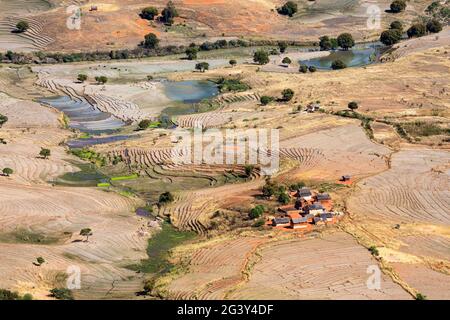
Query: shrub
x,y
417,30
397,25
345,41
374,251
312,69
149,13
287,94
288,9
165,197
7,171
398,6
390,37
61,294
434,26
283,198
8,295
265,100
151,41
303,68
40,260
45,153
353,105
101,79
22,26
249,170
326,43
144,124
191,53
286,60
258,223
256,212
338,64
232,62
261,57
82,77
268,190
420,296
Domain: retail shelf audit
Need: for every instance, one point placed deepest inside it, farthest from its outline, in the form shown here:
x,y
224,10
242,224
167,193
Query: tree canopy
x,y
169,13
261,57
288,9
345,41
149,13
151,41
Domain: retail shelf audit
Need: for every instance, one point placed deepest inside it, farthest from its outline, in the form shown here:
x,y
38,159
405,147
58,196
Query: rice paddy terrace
x,y
109,171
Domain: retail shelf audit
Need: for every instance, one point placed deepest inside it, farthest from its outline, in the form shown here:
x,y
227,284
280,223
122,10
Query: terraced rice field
x,y
331,153
415,189
296,269
214,269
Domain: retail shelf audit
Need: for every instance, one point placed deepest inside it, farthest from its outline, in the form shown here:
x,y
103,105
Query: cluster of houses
x,y
309,209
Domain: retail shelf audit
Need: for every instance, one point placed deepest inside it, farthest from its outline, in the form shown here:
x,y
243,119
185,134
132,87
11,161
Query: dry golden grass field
x,y
111,156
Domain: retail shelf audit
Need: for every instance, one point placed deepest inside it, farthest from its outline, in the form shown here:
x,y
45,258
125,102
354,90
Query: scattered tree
x,y
345,41
265,100
261,57
149,13
353,105
144,124
287,61
416,30
61,294
326,43
101,79
202,66
7,171
256,212
165,198
86,232
169,13
398,6
191,53
151,41
287,94
40,261
45,153
434,26
283,198
338,64
288,9
22,26
82,77
232,62
268,190
390,37
282,45
312,69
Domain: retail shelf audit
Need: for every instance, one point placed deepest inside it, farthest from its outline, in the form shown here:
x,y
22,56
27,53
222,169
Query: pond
x,y
357,57
190,91
84,116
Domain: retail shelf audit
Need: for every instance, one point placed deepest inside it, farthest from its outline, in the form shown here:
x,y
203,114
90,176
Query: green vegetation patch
x,y
159,247
235,85
26,236
103,184
424,129
89,155
129,177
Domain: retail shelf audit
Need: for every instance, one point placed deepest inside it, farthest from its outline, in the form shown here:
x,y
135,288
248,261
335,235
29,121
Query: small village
x,y
310,209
